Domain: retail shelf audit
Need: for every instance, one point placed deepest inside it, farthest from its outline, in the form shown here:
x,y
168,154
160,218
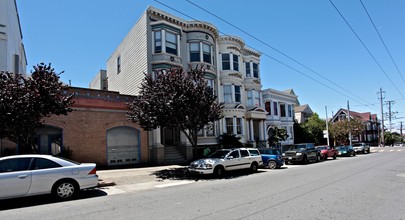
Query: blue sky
x,y
78,37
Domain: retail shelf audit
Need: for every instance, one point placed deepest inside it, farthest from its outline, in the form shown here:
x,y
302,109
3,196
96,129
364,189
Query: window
x,y
254,152
255,70
228,94
249,98
12,165
171,43
41,163
158,42
244,153
229,125
275,108
194,52
226,63
282,110
268,107
248,74
118,64
257,98
210,84
235,62
206,53
289,111
234,154
238,125
237,94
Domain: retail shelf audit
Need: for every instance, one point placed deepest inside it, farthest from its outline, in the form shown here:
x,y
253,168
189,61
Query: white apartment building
x,y
12,52
160,40
280,111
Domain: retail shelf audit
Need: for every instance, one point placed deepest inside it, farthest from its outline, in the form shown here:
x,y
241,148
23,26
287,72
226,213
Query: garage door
x,y
123,146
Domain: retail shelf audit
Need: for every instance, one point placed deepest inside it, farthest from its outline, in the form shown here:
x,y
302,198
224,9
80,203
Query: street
x,y
361,187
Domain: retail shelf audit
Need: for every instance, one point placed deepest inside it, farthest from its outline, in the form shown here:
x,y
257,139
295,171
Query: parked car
x,y
227,159
327,151
361,148
271,158
302,153
399,144
346,151
27,175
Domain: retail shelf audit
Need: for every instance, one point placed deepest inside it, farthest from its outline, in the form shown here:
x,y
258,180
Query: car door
x,y
312,151
15,178
233,160
45,173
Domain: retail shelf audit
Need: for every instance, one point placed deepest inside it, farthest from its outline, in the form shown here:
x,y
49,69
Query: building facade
x,y
370,122
12,52
303,113
279,106
160,41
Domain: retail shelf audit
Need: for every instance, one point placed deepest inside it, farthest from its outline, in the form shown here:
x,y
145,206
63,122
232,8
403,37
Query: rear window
x,y
254,152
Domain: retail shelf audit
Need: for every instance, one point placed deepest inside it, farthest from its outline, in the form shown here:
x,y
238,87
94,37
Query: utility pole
x,y
350,129
327,126
381,98
390,113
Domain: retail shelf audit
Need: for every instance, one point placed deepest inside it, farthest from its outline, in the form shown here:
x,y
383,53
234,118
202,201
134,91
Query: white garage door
x,y
123,146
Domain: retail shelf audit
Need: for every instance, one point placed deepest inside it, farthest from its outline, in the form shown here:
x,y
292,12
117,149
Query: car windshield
x,y
322,148
342,148
298,146
219,154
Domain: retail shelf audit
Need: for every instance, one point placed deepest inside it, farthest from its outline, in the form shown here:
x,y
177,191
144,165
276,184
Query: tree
x,y
176,99
25,101
276,135
392,137
340,130
314,128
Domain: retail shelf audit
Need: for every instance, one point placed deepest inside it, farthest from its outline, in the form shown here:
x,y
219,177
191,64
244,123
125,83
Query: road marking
x,y
173,184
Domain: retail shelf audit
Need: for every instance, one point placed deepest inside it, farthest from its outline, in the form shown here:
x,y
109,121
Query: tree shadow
x,y
182,173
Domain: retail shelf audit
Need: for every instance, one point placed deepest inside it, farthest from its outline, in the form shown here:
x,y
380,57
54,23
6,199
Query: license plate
x,y
290,158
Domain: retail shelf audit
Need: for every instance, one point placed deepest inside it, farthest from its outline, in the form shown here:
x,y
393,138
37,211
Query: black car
x,y
302,153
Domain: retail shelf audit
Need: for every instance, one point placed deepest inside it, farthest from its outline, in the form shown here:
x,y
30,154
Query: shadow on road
x,y
45,199
183,174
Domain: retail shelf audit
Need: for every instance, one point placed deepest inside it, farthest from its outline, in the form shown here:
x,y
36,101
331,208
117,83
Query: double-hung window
x,y
228,94
229,125
226,62
171,43
235,62
267,106
289,111
250,98
248,74
237,94
275,108
234,125
158,42
257,98
194,52
238,125
206,53
255,70
282,110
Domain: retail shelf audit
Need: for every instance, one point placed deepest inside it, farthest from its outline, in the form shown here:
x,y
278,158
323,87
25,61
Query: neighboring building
x,y
12,52
100,81
280,108
302,113
97,130
159,41
370,121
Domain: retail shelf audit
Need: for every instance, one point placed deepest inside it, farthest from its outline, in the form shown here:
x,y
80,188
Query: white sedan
x,y
28,175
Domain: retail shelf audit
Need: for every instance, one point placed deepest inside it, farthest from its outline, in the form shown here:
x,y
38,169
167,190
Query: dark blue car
x,y
271,158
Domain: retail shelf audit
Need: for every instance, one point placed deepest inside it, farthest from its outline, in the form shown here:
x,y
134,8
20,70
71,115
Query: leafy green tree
x,y
276,135
314,128
25,101
176,99
340,130
391,138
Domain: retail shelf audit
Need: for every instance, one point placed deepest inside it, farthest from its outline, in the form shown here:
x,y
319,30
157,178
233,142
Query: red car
x,y
327,151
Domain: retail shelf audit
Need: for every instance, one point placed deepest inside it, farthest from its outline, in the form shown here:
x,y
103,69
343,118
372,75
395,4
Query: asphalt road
x,y
362,187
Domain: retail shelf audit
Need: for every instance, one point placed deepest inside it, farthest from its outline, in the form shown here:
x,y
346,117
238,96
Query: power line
x,y
379,35
365,47
268,45
302,73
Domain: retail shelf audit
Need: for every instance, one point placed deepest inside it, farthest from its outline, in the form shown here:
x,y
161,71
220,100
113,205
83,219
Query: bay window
x,y
235,62
194,52
226,62
206,53
171,43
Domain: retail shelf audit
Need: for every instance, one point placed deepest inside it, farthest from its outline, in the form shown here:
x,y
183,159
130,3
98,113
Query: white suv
x,y
227,159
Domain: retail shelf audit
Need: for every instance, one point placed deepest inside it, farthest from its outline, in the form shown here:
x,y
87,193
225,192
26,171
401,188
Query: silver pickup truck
x,y
361,148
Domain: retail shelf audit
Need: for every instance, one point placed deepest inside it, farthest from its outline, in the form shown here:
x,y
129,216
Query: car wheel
x,y
219,171
364,151
334,156
65,189
318,158
271,164
253,167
